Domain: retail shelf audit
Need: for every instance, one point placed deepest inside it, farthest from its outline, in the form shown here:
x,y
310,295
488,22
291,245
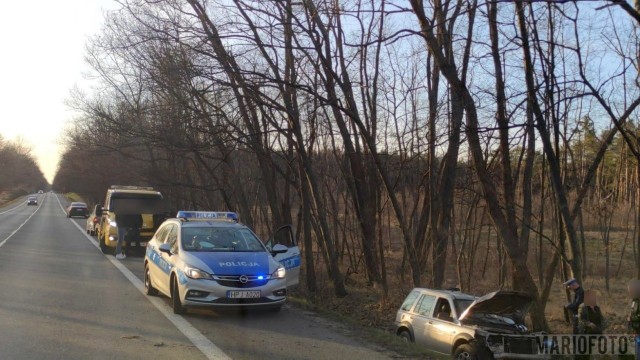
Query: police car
x,y
209,259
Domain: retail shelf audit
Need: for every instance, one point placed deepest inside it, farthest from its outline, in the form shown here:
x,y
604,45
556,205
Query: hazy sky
x,y
41,59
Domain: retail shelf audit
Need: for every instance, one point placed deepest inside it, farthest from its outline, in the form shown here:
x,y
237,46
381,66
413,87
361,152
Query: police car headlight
x,y
195,273
280,273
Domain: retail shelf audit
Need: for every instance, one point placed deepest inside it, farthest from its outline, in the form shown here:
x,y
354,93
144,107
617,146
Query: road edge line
x,y
20,227
206,346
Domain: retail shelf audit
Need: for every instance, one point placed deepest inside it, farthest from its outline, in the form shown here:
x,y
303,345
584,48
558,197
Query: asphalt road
x,y
61,298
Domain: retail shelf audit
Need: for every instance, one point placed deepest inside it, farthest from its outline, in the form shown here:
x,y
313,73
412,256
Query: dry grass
x,y
614,301
367,306
6,198
73,197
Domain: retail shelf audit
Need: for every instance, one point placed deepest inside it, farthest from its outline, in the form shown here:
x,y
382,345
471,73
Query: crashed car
x,y
452,323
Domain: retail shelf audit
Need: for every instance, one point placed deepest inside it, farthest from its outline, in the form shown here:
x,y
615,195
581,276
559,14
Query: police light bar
x,y
207,216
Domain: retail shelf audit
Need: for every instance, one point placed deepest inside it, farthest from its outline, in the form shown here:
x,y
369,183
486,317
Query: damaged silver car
x,y
465,327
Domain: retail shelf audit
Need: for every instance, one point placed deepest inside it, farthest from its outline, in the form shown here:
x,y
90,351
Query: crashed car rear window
x,y
408,302
425,308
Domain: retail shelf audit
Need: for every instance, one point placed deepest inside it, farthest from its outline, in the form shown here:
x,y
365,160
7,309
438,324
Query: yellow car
x,y
129,200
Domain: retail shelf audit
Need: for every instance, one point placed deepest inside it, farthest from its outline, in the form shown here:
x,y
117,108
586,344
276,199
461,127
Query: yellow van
x,y
129,200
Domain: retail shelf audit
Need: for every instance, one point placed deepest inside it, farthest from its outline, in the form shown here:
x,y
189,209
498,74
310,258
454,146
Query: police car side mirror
x,y
279,249
165,248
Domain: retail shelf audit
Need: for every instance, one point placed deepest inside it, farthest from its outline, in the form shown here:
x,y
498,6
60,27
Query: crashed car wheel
x,y
464,352
405,336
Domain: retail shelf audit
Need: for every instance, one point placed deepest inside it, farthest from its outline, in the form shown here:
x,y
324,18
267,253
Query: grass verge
x,y
11,202
73,197
372,335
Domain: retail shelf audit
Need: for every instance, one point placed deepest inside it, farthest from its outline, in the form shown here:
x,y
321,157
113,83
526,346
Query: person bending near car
x,y
574,306
591,319
128,224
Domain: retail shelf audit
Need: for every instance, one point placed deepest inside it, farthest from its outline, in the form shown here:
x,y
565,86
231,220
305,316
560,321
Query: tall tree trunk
x,y
522,277
554,166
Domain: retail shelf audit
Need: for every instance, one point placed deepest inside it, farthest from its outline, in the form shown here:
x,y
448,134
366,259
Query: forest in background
x,y
411,143
20,174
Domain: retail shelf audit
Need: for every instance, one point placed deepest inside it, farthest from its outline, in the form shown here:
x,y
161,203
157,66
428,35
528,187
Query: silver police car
x,y
209,259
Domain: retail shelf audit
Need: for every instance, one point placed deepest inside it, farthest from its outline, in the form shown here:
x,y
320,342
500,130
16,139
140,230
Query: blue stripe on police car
x,y
158,260
291,262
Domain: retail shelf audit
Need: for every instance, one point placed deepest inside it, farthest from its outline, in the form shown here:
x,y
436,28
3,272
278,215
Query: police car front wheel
x,y
176,304
148,287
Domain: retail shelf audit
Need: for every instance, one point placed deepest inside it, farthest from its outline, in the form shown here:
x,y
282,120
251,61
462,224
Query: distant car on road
x,y
93,222
32,200
40,192
208,259
77,209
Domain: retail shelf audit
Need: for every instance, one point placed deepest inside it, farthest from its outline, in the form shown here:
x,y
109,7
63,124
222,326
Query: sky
x,y
42,45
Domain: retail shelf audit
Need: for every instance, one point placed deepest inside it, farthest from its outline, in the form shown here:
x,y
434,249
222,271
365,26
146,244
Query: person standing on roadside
x,y
125,223
574,306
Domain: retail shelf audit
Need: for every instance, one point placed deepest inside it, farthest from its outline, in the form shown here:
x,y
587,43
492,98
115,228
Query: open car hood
x,y
511,304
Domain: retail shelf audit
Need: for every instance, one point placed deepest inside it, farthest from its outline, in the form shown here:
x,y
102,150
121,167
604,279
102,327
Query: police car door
x,y
155,258
165,261
290,259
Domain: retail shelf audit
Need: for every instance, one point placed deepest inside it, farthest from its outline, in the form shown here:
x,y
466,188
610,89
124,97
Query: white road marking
x,y
19,227
61,207
208,348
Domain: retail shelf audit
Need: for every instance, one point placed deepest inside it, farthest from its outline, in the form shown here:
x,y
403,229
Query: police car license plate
x,y
243,294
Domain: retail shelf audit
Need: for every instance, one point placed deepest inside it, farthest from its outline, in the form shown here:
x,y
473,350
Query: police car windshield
x,y
211,239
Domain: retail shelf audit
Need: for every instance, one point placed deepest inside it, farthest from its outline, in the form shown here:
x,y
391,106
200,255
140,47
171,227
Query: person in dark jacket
x,y
634,317
633,288
591,319
574,306
128,225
